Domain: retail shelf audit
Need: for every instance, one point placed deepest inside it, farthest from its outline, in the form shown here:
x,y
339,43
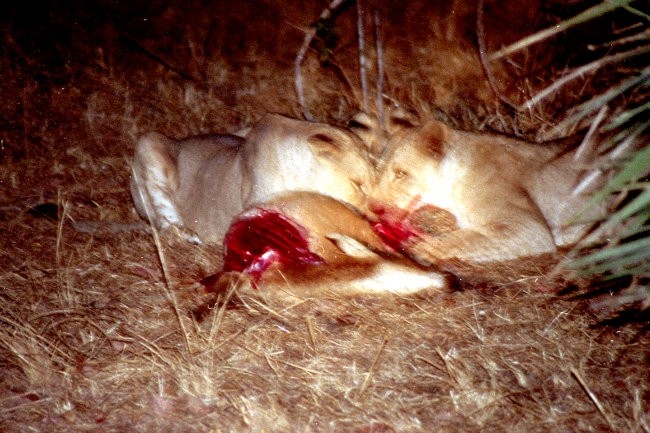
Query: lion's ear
x,y
326,144
400,119
433,136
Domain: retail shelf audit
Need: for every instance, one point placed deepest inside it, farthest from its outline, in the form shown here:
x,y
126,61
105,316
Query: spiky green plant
x,y
619,247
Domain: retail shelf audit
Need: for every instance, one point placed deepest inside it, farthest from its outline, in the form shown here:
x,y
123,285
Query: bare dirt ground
x,y
95,334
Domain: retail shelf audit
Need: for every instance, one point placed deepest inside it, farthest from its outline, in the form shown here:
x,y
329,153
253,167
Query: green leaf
x,y
631,171
640,203
615,260
626,116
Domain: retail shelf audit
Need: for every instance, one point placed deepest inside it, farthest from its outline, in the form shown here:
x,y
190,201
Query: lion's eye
x,y
358,185
400,174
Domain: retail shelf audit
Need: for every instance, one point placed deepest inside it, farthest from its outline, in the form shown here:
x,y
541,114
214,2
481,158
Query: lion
x,y
447,194
201,183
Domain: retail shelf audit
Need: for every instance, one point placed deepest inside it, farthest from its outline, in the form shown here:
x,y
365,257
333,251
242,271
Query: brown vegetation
x,y
95,332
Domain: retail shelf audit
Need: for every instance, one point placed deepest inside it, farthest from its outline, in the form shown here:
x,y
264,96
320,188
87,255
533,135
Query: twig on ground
x,y
131,43
309,36
482,52
363,69
312,334
380,72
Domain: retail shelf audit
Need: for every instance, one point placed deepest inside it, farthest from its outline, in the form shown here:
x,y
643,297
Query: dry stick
x,y
59,247
163,263
639,37
133,44
309,36
482,52
380,72
92,227
592,397
363,69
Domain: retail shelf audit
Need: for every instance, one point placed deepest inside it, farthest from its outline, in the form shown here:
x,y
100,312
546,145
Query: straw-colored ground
x,y
95,334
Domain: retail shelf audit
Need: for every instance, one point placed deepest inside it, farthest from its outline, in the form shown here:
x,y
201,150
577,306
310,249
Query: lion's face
x,y
284,154
341,169
411,173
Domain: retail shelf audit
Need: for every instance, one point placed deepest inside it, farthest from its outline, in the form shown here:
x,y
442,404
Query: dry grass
x,y
89,336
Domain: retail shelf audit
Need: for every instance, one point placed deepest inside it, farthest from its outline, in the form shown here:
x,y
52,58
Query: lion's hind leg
x,y
154,180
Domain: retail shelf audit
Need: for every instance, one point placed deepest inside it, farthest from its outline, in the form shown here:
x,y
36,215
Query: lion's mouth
x,y
393,226
397,227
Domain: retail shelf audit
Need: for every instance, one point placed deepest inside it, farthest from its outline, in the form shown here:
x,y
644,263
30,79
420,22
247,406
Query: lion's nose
x,y
377,208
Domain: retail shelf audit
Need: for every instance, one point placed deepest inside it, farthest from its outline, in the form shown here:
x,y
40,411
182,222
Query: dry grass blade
x,y
312,334
163,263
300,57
592,397
369,374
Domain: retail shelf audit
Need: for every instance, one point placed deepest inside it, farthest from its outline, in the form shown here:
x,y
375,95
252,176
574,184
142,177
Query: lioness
x,y
200,184
304,243
480,197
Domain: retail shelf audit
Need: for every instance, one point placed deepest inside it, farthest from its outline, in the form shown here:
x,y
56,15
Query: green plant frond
x,y
626,116
641,271
618,269
637,229
638,185
640,205
594,104
628,253
631,171
637,12
624,138
587,15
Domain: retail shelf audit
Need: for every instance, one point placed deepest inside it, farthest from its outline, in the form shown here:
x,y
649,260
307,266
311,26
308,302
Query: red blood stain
x,y
393,226
253,243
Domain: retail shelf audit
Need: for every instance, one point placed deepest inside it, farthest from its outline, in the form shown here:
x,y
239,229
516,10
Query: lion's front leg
x,y
503,240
